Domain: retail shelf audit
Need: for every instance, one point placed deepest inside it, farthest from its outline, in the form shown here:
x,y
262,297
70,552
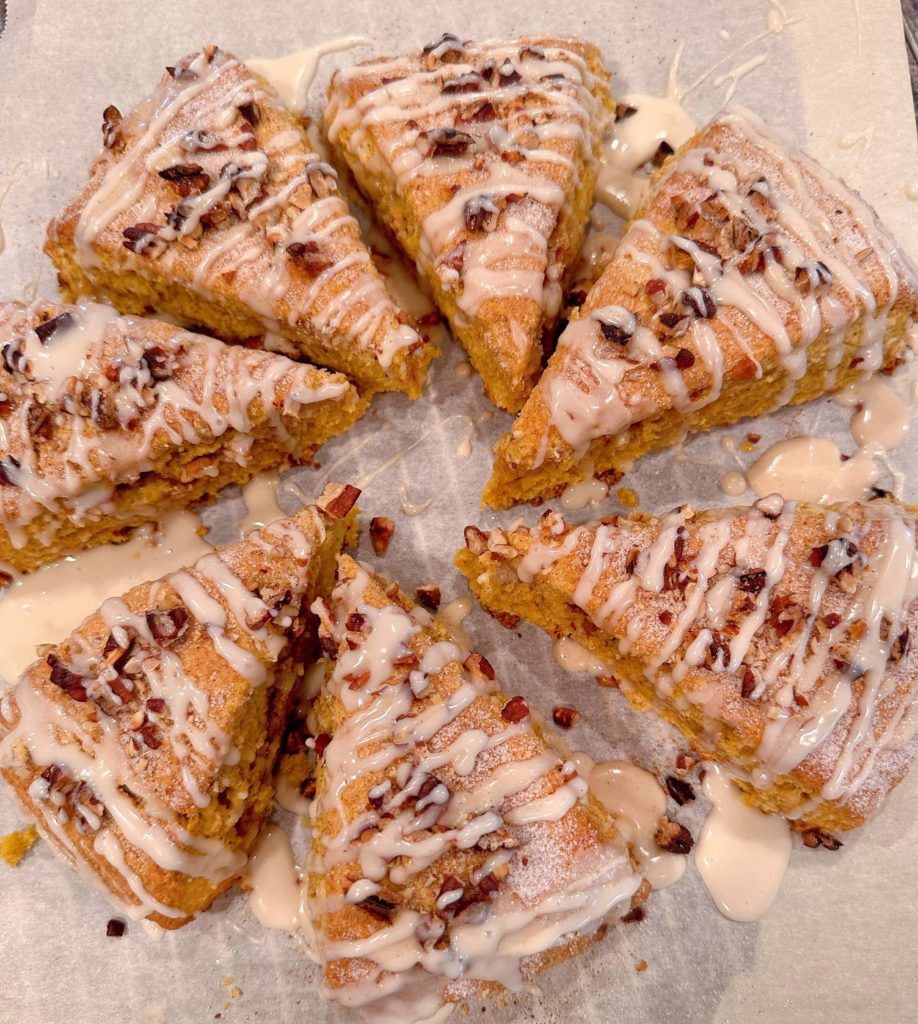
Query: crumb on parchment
x,y
15,845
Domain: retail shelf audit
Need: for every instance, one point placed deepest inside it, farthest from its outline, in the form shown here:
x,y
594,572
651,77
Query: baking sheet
x,y
840,942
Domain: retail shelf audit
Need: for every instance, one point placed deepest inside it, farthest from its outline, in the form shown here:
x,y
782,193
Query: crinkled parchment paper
x,y
839,944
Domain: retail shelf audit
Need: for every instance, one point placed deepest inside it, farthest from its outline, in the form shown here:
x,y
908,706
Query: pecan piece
x,y
564,717
429,596
111,126
673,837
382,530
816,837
168,625
515,710
447,142
49,328
680,790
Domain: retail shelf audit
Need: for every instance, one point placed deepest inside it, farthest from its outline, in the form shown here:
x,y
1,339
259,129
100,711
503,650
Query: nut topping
x,y
168,625
564,717
447,142
382,529
50,327
111,126
429,596
673,837
515,710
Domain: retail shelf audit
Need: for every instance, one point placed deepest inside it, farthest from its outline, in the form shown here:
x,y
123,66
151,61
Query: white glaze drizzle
x,y
518,196
280,196
384,727
172,390
792,299
802,693
99,753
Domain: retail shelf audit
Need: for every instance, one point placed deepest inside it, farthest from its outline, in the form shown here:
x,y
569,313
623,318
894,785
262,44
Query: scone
x,y
481,159
143,745
455,853
108,422
750,279
776,637
208,203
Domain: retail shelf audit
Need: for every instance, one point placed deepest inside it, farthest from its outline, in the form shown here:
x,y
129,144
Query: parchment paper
x,y
840,942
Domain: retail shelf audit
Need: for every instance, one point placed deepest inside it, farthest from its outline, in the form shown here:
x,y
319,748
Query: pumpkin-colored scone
x,y
750,279
143,745
455,853
108,422
481,159
208,203
776,637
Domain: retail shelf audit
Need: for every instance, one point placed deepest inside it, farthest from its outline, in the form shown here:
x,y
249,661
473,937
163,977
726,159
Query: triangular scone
x,y
108,422
775,637
454,852
208,203
143,745
481,159
750,279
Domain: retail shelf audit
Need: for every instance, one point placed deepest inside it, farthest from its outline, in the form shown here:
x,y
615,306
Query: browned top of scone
x,y
163,677
481,140
90,400
211,182
361,807
745,251
791,625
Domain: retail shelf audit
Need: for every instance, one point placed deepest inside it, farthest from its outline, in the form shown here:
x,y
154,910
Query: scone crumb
x,y
15,845
628,497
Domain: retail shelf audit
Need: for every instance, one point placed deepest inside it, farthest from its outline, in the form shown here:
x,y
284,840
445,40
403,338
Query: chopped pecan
x,y
515,710
471,81
447,142
476,540
752,582
564,717
111,126
680,790
381,532
624,111
380,908
748,684
479,666
816,837
673,837
309,256
49,328
338,500
168,625
481,213
321,743
70,682
429,596
700,302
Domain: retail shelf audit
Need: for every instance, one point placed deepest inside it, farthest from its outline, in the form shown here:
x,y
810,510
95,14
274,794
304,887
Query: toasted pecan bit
x,y
50,327
515,710
479,665
382,530
564,717
111,126
816,837
338,500
167,625
749,684
635,915
752,582
448,142
378,907
664,150
115,928
476,540
680,790
489,883
428,596
686,763
673,837
624,111
321,743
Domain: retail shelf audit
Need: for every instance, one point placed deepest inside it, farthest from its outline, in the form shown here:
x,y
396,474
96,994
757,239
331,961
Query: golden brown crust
x,y
720,355
109,422
493,125
207,202
143,745
727,709
549,854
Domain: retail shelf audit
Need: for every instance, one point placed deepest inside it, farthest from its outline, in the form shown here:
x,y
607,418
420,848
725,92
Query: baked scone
x,y
143,745
107,422
481,159
750,279
775,637
208,203
455,853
